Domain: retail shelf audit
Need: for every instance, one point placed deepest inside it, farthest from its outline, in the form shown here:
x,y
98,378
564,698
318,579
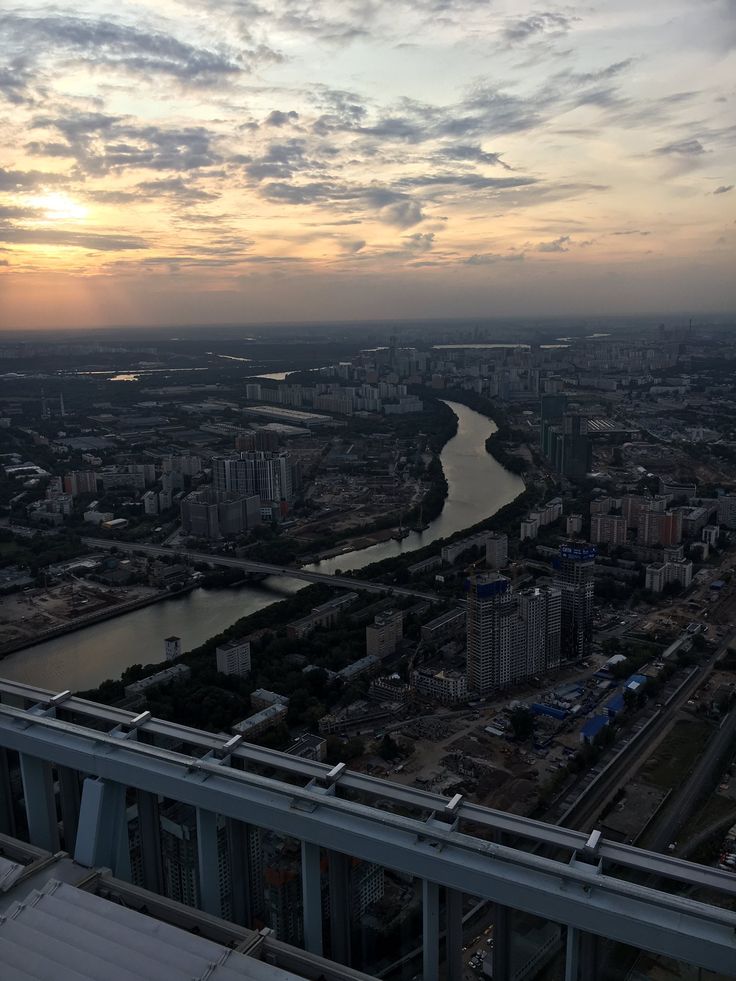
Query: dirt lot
x,y
26,614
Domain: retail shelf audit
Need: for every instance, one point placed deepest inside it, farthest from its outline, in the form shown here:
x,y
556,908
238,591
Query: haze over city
x,y
206,161
367,490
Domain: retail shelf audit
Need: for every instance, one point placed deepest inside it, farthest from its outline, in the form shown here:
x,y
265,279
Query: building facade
x,y
574,575
233,658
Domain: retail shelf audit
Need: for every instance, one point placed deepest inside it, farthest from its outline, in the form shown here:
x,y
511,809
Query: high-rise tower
x,y
490,632
574,574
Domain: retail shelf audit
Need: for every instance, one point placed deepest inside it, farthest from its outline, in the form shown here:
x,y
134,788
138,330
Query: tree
x,y
388,750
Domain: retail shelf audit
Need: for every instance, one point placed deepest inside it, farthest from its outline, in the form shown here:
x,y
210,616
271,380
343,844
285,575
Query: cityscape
x,y
367,491
487,571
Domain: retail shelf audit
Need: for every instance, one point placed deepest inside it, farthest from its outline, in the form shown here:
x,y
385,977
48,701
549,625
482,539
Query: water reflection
x,y
478,486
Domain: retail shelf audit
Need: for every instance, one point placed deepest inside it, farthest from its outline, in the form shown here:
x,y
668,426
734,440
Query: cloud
x,y
491,258
339,110
419,241
556,245
723,189
403,213
25,180
278,118
98,242
530,28
472,153
391,207
16,78
281,161
174,187
474,181
632,231
16,211
681,148
118,46
100,142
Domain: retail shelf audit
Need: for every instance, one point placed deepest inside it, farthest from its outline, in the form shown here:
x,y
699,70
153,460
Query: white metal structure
x,y
587,886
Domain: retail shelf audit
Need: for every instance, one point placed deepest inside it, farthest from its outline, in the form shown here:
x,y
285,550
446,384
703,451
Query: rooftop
x,y
61,920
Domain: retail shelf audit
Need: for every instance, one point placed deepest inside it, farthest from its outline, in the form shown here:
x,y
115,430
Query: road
x,y
682,803
344,582
722,824
584,812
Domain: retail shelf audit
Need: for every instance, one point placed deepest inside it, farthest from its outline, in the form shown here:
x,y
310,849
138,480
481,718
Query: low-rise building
x,y
497,550
660,574
383,635
593,728
426,565
694,520
389,688
262,698
529,528
446,625
177,672
727,510
445,686
363,666
97,517
268,717
150,502
309,747
574,524
172,648
710,534
608,529
233,658
325,615
451,552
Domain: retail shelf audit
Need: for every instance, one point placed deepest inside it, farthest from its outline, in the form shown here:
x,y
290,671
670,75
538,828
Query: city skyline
x,y
233,162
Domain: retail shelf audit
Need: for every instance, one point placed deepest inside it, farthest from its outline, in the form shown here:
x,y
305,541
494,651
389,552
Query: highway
x,y
247,565
682,803
584,811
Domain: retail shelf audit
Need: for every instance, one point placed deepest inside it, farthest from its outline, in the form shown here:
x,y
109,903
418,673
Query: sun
x,y
59,207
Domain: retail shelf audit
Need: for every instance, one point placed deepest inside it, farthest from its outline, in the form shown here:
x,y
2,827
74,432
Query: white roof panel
x,y
9,873
61,932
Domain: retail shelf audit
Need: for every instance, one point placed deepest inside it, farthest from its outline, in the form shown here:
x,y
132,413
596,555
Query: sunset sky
x,y
262,160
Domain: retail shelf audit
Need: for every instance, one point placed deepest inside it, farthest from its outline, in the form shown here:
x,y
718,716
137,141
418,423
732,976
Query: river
x,y
478,486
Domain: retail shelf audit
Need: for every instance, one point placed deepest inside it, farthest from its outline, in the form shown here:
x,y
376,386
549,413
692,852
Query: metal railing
x,y
580,881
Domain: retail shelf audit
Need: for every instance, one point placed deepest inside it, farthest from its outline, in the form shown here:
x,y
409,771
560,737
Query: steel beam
x,y
339,879
572,955
38,791
578,894
7,810
588,955
501,943
70,802
149,827
240,872
102,833
312,897
454,934
208,862
430,931
515,827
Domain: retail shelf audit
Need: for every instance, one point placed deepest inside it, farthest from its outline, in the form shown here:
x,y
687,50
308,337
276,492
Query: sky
x,y
227,161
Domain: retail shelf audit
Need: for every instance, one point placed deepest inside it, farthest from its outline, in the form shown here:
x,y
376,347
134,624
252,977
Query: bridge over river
x,y
264,568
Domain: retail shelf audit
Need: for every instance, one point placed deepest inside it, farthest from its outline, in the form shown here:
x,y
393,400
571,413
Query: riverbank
x,y
497,444
79,623
438,425
478,489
